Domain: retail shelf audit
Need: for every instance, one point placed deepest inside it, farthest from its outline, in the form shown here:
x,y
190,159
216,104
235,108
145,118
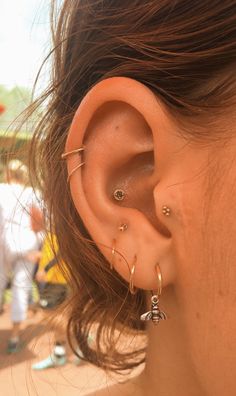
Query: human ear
x,y
119,124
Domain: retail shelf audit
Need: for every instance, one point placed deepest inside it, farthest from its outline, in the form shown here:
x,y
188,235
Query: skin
x,y
124,127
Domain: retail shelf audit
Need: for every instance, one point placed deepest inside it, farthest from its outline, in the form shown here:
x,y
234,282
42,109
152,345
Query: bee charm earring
x,y
155,314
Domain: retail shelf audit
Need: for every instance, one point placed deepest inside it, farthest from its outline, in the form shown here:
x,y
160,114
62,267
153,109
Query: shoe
x,y
14,346
50,361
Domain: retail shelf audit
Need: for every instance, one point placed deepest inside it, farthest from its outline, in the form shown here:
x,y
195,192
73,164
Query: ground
x,y
17,378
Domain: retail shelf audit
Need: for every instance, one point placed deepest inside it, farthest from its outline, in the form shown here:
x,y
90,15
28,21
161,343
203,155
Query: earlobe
x,y
114,190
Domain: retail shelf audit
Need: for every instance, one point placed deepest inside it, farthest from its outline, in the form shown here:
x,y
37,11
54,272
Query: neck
x,y
169,370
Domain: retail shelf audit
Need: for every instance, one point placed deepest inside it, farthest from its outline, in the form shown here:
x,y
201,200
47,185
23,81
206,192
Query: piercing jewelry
x,y
131,279
123,227
155,314
72,152
113,252
166,210
76,151
119,194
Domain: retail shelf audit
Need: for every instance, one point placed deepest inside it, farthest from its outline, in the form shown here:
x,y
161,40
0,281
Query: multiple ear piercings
x,y
73,152
155,314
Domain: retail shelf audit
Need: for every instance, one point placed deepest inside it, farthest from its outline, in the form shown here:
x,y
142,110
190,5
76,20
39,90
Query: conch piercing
x,y
72,152
166,211
131,279
155,314
119,194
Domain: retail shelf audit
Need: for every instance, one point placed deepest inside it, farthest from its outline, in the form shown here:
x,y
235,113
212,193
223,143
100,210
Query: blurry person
x,y
53,291
17,240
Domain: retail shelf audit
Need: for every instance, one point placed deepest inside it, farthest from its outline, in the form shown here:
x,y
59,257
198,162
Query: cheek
x,y
206,288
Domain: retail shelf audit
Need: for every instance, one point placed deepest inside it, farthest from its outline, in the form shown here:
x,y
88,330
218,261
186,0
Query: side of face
x,y
132,142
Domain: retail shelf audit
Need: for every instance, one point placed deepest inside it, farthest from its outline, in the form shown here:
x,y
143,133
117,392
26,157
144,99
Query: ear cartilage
x,y
119,194
123,227
166,211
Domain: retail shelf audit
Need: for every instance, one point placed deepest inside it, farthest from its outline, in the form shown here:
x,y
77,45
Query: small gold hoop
x,y
72,152
113,252
159,280
74,170
132,289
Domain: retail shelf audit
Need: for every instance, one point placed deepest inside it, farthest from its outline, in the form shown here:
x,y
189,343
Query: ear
x,y
123,126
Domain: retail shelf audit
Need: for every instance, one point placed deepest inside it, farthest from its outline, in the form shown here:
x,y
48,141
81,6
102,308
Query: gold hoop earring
x,y
113,252
132,289
155,314
68,154
74,170
72,152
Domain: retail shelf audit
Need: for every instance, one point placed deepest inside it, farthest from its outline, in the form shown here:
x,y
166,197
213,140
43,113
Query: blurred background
x,y
26,365
24,44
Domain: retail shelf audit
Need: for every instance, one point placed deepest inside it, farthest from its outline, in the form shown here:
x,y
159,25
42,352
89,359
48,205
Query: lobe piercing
x,y
119,194
166,211
123,227
155,314
131,279
113,252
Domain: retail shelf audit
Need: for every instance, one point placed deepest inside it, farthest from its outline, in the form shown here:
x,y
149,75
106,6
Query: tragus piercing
x,y
131,279
155,314
166,211
119,194
123,227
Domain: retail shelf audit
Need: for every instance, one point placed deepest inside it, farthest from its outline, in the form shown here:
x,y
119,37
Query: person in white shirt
x,y
17,241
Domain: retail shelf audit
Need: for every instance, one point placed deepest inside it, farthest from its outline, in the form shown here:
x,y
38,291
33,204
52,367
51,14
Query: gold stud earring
x,y
123,227
132,289
155,314
166,211
119,194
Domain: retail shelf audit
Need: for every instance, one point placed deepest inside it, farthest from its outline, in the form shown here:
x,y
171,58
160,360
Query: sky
x,y
24,41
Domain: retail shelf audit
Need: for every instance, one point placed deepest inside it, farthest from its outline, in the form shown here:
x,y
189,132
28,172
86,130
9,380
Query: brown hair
x,y
185,52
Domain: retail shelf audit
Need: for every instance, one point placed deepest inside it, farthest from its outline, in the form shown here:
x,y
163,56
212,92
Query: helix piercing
x,y
166,211
113,252
74,170
72,152
119,194
155,314
76,151
123,227
131,279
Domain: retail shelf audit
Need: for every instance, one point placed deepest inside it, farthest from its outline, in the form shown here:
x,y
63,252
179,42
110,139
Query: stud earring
x,y
131,279
119,194
166,211
73,152
123,227
155,314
